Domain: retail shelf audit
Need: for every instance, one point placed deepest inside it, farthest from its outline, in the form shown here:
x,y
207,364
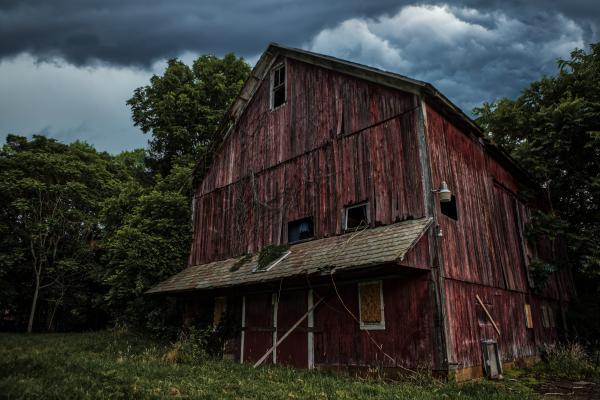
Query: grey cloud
x,y
470,55
68,66
138,32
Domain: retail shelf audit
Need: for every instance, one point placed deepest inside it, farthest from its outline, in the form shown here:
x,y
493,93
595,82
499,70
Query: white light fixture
x,y
445,193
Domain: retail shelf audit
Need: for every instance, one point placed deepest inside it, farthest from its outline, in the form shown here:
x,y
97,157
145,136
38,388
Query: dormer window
x,y
278,92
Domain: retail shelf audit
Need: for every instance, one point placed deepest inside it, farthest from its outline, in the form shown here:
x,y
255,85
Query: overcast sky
x,y
68,66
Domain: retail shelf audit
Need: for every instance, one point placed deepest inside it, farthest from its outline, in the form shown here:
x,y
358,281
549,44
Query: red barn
x,y
357,218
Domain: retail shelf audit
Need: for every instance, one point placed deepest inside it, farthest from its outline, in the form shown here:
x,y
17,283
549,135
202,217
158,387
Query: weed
x,y
567,361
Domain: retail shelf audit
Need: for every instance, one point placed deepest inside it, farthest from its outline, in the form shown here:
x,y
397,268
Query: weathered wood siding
x,y
338,340
336,141
484,251
408,333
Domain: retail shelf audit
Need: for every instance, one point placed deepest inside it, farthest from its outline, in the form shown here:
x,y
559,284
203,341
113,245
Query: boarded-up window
x,y
545,318
370,301
551,320
528,317
219,310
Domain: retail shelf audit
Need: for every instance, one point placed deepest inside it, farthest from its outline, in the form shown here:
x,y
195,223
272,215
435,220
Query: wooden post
x,y
310,334
243,335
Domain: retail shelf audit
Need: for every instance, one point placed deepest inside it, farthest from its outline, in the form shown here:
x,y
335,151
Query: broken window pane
x,y
278,86
449,208
357,216
301,229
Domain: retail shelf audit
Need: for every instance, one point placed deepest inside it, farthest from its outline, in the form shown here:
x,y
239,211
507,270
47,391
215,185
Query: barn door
x,y
267,317
293,351
258,327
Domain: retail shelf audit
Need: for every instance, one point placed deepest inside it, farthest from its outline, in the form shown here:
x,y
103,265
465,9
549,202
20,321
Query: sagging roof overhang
x,y
352,251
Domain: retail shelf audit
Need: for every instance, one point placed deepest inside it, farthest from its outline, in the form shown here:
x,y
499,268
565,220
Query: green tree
x,y
51,196
182,108
148,237
553,130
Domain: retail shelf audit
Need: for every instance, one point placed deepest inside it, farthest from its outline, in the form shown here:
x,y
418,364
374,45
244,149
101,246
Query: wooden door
x,y
293,351
258,327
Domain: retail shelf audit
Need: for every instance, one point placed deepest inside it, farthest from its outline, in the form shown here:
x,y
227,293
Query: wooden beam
x,y
264,357
488,314
310,335
243,334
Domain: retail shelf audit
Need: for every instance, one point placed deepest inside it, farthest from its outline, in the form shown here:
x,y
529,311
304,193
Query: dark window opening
x,y
482,317
357,216
300,229
278,86
449,208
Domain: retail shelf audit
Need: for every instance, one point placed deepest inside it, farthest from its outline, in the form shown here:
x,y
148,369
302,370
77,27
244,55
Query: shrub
x,y
190,348
569,360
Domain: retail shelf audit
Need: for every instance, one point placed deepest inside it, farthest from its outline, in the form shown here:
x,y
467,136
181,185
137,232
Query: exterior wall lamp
x,y
444,192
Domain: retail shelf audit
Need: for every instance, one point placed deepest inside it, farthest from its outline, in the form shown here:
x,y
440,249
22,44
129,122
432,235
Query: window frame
x,y
367,213
370,326
444,206
272,87
312,221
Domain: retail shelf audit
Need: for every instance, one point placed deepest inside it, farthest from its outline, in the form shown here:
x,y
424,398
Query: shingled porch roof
x,y
360,249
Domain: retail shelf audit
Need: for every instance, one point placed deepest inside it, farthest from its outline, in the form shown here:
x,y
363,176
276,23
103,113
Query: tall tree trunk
x,y
34,303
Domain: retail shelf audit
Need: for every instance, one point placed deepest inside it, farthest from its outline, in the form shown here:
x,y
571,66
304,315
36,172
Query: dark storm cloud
x,y
471,55
137,32
68,66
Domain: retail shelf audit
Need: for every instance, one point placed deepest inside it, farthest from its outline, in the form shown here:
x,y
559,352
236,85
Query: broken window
x,y
449,208
219,310
357,216
300,229
482,318
278,92
370,303
528,317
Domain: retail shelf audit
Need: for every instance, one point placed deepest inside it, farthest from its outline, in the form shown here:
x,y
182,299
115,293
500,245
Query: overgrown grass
x,y
117,365
568,361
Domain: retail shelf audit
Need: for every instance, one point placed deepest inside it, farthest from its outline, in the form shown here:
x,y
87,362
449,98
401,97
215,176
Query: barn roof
x,y
361,71
360,249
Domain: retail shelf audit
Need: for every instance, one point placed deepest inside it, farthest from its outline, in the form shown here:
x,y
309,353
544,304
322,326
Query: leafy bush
x,y
191,348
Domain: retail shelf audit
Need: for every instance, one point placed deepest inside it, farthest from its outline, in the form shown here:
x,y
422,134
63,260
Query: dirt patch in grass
x,y
579,390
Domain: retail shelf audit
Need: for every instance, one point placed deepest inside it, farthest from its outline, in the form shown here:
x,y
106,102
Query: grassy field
x,y
106,365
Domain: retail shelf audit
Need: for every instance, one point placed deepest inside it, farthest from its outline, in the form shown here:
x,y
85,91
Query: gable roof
x,y
390,79
361,249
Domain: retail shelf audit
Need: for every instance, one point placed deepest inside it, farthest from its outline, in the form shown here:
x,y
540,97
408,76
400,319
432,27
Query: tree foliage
x,y
52,195
553,130
148,237
183,107
85,234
